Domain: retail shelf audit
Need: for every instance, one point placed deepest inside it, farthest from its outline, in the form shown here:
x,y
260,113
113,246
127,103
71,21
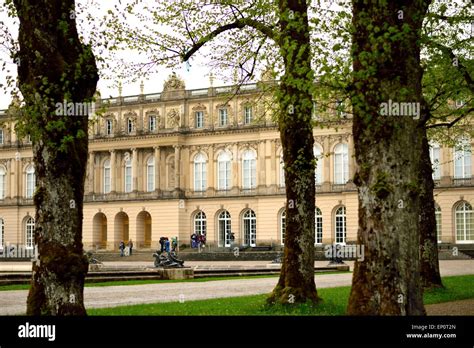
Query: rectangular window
x,y
438,225
108,127
106,180
30,185
199,116
1,136
128,179
2,234
200,180
247,115
250,178
152,123
2,184
222,117
319,229
282,172
150,177
130,126
435,161
462,160
340,109
224,175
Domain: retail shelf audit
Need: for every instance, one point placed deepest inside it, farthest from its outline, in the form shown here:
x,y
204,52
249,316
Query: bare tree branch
x,y
238,24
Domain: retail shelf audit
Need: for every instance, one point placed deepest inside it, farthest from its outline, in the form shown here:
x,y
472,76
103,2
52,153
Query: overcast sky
x,y
195,76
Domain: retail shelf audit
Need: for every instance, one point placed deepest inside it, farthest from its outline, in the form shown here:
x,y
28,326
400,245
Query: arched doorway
x,y
143,230
99,231
121,228
224,228
249,220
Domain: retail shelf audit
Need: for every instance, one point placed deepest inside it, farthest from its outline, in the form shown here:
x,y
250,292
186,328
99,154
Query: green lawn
x,y
334,303
142,282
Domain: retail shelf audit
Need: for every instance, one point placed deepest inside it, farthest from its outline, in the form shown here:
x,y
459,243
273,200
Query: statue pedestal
x,y
176,273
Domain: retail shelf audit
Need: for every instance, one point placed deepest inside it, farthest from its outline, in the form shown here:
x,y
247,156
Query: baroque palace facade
x,y
199,161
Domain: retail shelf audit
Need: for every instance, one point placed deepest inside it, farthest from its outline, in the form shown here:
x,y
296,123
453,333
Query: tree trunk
x,y
296,283
54,66
386,68
430,275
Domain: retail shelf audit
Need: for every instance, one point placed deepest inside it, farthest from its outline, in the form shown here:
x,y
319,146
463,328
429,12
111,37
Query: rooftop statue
x,y
173,83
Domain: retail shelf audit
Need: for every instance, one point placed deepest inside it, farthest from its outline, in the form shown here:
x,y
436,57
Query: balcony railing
x,y
234,192
463,181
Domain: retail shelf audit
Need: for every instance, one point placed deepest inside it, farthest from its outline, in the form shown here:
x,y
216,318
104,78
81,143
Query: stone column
x,y
351,159
326,184
17,177
134,169
157,167
112,171
211,185
8,178
235,169
273,171
177,166
91,171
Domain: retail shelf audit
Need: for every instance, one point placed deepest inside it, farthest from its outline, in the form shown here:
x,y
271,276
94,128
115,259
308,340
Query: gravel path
x,y
464,307
14,302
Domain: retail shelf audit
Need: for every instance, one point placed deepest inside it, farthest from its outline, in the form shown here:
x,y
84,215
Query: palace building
x,y
209,161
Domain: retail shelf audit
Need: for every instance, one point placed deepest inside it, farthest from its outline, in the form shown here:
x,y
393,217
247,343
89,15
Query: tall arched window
x,y
223,171
2,233
200,173
200,223
224,228
462,159
107,179
318,224
318,154
29,233
128,175
282,171
435,160
150,174
438,222
250,228
341,164
340,225
30,181
249,168
3,184
283,226
464,223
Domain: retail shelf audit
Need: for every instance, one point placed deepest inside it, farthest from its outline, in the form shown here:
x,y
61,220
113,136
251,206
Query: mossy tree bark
x,y
54,66
430,275
386,68
296,283
294,95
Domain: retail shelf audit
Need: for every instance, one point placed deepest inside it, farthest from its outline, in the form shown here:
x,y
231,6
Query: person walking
x,y
121,248
167,245
130,247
